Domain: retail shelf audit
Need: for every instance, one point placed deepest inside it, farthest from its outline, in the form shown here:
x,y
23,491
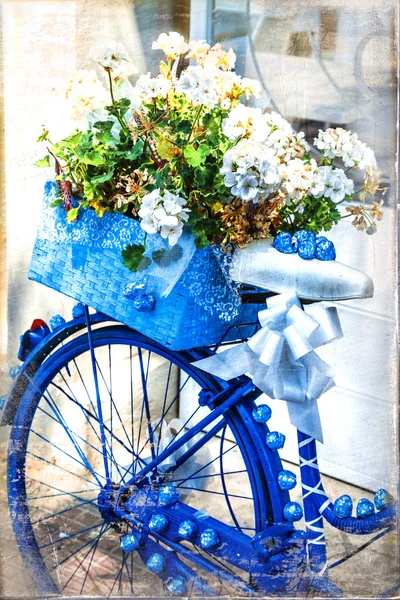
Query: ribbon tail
x,y
306,418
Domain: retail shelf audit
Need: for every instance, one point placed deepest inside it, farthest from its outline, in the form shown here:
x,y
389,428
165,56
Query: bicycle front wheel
x,y
68,450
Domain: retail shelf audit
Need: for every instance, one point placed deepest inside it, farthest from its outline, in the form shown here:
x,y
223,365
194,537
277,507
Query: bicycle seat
x,y
259,264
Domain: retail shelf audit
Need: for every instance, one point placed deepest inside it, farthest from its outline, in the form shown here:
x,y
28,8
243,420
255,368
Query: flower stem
x,y
194,123
120,118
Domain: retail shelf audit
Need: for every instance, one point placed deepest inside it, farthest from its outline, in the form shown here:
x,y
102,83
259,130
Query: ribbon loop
x,y
281,359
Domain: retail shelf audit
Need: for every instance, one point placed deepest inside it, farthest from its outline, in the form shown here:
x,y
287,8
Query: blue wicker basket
x,y
83,261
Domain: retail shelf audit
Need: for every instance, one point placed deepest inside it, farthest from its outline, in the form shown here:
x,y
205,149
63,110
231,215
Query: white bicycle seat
x,y
259,264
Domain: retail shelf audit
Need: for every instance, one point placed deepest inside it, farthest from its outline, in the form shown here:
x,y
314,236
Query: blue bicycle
x,y
112,495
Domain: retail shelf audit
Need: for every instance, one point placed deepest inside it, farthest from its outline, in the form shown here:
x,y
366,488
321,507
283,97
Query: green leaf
x,y
184,126
103,125
165,257
133,258
56,203
197,157
43,162
72,214
92,157
135,152
103,177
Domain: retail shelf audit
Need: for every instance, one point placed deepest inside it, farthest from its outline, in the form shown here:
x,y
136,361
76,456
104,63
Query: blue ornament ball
x,y
130,542
176,586
187,529
144,302
306,249
325,250
262,413
156,563
133,289
158,523
208,539
365,508
305,236
78,310
292,511
14,371
168,495
287,480
56,321
343,506
382,499
284,242
275,440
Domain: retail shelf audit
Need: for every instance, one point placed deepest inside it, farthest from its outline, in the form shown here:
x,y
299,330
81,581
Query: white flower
x,y
115,58
152,87
339,143
172,44
251,171
198,49
336,184
297,178
163,214
199,84
246,187
241,121
250,87
85,93
172,232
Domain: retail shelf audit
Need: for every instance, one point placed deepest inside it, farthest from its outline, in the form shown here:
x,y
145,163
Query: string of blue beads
x,y
156,563
306,244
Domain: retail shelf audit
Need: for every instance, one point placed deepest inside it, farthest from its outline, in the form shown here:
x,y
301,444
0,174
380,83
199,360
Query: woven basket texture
x,y
192,315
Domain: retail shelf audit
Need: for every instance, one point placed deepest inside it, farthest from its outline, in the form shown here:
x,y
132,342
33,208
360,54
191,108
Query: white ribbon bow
x,y
194,473
281,359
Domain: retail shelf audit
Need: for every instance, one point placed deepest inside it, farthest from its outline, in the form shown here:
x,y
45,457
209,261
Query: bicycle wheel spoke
x,y
63,492
61,512
146,403
71,536
221,466
91,559
64,560
208,476
58,466
94,473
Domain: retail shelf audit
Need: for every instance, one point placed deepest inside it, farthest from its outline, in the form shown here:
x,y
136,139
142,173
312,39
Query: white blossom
x,y
115,58
241,121
172,44
251,171
297,178
199,84
152,87
336,185
339,143
85,93
163,214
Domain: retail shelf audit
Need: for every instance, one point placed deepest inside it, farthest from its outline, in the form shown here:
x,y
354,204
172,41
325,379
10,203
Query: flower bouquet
x,y
189,165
